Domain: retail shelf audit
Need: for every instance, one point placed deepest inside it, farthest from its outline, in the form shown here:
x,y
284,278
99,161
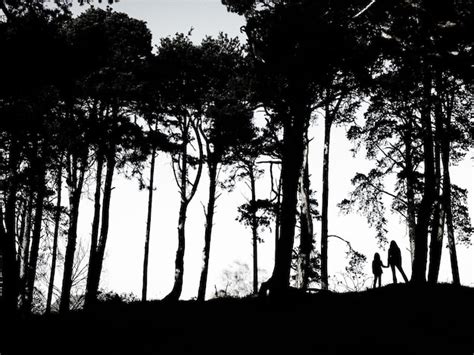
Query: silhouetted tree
x,y
226,124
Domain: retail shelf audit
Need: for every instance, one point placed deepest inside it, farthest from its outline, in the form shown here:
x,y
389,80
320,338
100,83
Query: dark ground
x,y
391,320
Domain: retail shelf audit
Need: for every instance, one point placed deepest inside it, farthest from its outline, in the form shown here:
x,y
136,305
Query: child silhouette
x,y
377,269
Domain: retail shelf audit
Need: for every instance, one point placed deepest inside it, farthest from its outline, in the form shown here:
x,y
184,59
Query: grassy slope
x,y
392,320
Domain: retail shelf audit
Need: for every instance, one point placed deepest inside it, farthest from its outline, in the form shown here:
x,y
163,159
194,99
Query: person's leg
x,y
394,274
399,267
380,280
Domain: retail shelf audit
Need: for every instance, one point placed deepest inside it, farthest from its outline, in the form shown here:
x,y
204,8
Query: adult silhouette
x,y
377,269
395,260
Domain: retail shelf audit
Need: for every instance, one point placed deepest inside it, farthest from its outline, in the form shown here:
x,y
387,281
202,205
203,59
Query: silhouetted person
x,y
377,269
395,260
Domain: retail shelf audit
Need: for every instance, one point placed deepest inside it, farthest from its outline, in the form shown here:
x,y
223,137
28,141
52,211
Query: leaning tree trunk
x,y
75,181
426,205
325,202
292,161
95,266
208,230
148,226
35,239
445,149
57,224
95,227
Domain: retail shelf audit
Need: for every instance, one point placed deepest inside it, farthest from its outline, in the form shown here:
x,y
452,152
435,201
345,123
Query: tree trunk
x,y
253,201
325,201
208,230
445,150
278,215
437,222
148,226
306,223
95,269
8,252
410,183
426,205
35,239
75,183
21,231
95,226
292,161
25,248
185,199
57,224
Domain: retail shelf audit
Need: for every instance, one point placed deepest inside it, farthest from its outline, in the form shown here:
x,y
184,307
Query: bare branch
x,y
364,9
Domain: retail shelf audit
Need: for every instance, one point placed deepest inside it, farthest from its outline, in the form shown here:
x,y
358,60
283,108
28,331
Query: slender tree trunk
x,y
410,183
306,222
208,230
148,226
57,224
75,182
25,248
293,150
325,201
437,222
253,201
426,205
7,244
21,231
445,150
95,270
179,261
278,216
95,227
185,200
35,238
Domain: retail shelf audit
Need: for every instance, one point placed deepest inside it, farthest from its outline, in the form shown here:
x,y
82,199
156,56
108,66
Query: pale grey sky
x,y
231,241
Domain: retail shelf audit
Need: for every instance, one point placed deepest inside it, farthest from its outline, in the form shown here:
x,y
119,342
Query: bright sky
x,y
231,241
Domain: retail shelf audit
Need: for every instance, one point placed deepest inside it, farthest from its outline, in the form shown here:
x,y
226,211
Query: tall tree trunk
x,y
292,161
148,226
253,201
445,150
75,181
57,224
306,223
21,230
437,222
211,203
325,200
185,200
95,270
8,248
278,215
410,183
35,238
95,227
426,205
25,248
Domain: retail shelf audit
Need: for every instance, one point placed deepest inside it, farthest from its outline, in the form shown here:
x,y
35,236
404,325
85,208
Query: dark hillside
x,y
391,320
